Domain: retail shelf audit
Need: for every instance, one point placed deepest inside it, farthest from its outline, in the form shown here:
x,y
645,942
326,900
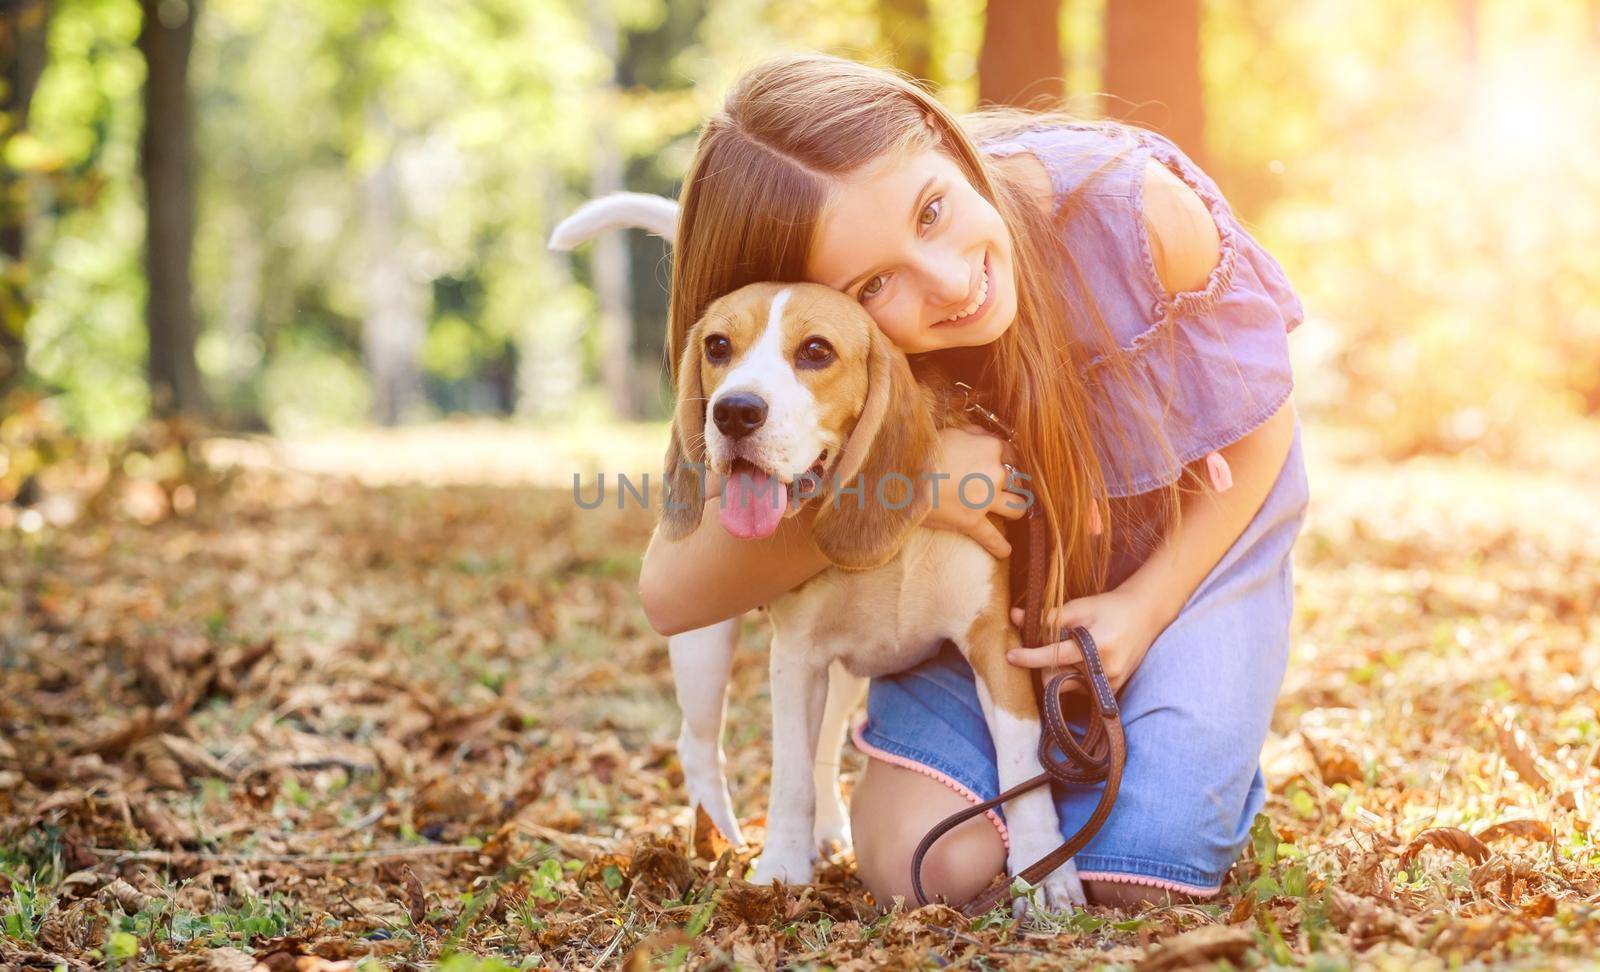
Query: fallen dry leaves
x,y
304,723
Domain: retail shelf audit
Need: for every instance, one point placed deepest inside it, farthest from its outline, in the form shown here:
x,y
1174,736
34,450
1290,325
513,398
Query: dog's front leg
x,y
832,828
1006,693
701,661
799,694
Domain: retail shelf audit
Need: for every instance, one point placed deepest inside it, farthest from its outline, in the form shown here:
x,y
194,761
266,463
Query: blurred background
x,y
299,217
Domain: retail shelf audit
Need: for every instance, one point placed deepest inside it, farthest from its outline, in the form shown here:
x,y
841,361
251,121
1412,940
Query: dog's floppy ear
x,y
886,455
686,452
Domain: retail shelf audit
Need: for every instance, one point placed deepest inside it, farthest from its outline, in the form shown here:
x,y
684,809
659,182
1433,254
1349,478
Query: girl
x,y
1098,291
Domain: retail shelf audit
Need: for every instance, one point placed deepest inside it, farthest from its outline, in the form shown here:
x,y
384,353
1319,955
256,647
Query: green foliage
x,y
252,918
1430,199
309,386
22,915
472,963
120,947
701,918
85,335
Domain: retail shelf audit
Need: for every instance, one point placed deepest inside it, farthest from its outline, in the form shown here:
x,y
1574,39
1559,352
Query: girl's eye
x,y
928,217
814,352
718,348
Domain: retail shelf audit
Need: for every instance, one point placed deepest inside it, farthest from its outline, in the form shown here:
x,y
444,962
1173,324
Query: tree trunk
x,y
1020,62
392,325
904,27
1153,68
609,263
549,348
24,25
166,162
239,316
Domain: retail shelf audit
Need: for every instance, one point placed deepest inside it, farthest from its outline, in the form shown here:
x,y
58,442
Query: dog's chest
x,y
890,618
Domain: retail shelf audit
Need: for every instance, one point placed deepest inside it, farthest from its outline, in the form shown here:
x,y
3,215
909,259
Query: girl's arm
x,y
1185,245
710,576
1211,522
1125,621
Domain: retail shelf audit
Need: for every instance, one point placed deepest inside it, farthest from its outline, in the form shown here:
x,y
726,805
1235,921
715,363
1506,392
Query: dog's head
x,y
789,391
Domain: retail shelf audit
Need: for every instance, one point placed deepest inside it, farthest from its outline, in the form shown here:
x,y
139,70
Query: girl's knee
x,y
890,811
955,869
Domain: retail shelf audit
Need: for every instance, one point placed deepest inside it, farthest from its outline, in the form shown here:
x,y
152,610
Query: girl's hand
x,y
964,453
1122,624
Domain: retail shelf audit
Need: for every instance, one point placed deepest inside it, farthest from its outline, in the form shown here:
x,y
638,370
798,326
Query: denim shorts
x,y
1196,713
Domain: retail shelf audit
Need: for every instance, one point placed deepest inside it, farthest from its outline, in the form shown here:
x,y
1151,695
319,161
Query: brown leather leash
x,y
1099,756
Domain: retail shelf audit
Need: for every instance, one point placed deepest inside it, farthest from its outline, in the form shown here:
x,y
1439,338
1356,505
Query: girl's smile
x,y
922,250
980,304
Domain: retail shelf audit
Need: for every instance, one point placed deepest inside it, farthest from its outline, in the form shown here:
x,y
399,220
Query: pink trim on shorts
x,y
1165,885
857,737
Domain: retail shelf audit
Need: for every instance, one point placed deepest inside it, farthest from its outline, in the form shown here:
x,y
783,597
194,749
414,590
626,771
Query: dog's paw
x,y
774,865
832,835
721,813
1063,891
1055,896
710,791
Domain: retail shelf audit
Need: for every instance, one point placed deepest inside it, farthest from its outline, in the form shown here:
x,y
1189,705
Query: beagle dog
x,y
793,396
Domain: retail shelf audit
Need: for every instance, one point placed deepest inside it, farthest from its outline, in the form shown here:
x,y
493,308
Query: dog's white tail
x,y
618,210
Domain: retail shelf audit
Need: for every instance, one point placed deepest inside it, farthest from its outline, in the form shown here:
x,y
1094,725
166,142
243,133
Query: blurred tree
x,y
1020,62
166,162
1425,212
24,25
392,324
905,26
610,264
87,340
550,376
1152,69
650,73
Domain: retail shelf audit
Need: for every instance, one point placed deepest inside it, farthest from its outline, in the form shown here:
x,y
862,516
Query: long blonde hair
x,y
762,172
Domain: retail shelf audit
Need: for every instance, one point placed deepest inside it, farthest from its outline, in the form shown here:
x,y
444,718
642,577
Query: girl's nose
x,y
948,281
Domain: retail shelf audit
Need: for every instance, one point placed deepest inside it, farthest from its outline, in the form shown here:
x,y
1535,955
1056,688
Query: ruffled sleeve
x,y
1209,365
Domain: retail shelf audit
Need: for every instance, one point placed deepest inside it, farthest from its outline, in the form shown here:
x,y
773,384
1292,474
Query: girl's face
x,y
925,254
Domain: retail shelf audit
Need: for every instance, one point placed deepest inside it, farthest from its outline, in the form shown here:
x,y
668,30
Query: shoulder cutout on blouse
x,y
1184,242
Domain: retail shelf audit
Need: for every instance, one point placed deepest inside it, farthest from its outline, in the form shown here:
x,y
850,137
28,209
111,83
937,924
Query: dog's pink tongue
x,y
752,504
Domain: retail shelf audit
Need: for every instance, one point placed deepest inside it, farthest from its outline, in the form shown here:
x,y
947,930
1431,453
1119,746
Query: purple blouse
x,y
1212,364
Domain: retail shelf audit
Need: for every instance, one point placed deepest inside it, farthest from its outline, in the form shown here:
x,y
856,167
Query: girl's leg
x,y
893,807
890,811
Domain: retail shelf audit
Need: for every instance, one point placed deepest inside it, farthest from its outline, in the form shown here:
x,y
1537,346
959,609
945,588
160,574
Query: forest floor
x,y
390,700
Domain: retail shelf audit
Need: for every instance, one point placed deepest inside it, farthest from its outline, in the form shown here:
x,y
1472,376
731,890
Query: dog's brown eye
x,y
814,353
718,348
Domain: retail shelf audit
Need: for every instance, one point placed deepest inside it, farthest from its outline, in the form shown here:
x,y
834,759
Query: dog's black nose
x,y
739,414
